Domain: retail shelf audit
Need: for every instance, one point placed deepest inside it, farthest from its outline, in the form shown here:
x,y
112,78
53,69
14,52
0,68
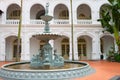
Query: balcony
x,y
37,22
12,21
61,21
57,21
84,21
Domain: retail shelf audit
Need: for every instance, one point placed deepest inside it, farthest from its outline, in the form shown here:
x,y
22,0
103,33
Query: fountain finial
x,y
46,18
46,11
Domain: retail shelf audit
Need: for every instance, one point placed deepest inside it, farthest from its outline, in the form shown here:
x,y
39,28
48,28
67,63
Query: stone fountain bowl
x,y
42,74
46,18
47,36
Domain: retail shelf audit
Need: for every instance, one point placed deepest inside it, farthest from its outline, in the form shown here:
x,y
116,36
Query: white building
x,y
89,40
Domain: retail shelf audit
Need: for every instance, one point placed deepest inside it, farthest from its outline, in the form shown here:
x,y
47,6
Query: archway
x,y
11,48
107,42
84,47
65,48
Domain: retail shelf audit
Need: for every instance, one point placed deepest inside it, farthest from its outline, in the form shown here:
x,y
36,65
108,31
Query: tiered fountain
x,y
45,65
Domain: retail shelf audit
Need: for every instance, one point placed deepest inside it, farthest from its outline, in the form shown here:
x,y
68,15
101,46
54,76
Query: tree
x,y
110,19
19,35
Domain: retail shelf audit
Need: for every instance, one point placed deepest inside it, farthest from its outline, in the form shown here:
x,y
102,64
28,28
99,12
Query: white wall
x,y
34,46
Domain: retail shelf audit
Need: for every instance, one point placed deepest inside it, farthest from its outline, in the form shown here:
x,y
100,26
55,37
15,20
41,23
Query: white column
x,y
116,47
25,55
96,49
75,49
2,49
70,49
52,45
95,16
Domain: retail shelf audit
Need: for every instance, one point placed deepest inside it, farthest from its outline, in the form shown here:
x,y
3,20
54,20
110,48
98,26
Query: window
x,y
65,48
14,14
64,14
81,47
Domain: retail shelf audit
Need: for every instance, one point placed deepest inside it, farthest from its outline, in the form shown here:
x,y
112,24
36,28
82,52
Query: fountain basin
x,y
8,73
47,36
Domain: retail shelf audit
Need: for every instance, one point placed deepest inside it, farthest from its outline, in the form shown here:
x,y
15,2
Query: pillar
x,y
70,48
2,49
96,49
75,49
25,54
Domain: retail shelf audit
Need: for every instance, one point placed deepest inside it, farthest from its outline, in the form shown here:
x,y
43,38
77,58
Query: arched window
x,y
14,14
36,11
64,14
104,7
61,12
40,13
83,12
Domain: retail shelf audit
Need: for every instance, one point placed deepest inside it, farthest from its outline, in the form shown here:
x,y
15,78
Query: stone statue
x,y
46,11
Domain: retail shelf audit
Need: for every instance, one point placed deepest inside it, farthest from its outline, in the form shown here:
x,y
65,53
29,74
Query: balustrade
x,y
12,21
37,22
54,22
84,21
61,21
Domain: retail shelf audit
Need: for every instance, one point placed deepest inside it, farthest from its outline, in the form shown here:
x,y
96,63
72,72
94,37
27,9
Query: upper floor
x,y
83,11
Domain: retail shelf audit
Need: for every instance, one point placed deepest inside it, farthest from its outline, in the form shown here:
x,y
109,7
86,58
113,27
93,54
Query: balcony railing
x,y
61,21
37,22
54,22
12,21
84,21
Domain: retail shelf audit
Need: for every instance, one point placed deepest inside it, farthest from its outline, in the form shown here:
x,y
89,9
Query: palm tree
x,y
19,35
110,19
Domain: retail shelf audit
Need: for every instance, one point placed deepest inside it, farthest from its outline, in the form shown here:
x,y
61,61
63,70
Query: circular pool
x,y
23,71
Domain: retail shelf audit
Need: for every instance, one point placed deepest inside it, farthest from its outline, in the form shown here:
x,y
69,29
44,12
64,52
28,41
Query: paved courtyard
x,y
104,70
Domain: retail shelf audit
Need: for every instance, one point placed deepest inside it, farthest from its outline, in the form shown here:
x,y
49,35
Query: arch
x,y
83,12
13,11
106,43
61,12
65,34
102,35
85,33
84,47
11,48
36,11
103,8
9,34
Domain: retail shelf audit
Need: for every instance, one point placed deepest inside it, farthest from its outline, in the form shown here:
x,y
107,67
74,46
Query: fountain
x,y
45,65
